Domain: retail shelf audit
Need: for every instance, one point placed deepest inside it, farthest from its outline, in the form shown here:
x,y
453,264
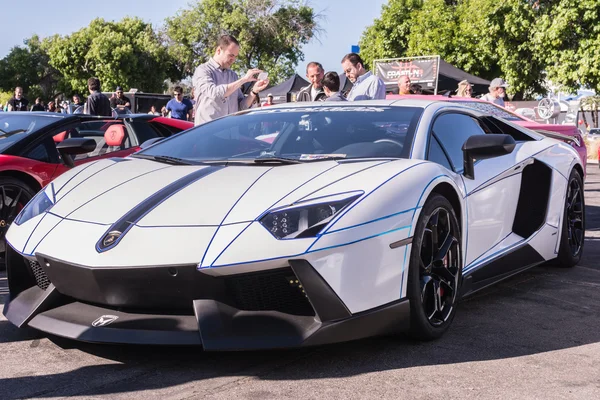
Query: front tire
x,y
14,194
572,235
435,270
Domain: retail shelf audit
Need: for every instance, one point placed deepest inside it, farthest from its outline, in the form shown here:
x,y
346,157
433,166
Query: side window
x,y
45,152
144,130
453,130
436,154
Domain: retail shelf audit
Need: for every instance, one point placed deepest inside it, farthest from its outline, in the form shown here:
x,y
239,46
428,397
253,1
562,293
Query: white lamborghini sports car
x,y
359,219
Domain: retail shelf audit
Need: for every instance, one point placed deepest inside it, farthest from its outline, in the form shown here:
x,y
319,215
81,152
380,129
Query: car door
x,y
492,196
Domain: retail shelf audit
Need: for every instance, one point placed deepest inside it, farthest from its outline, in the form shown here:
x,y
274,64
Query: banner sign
x,y
421,70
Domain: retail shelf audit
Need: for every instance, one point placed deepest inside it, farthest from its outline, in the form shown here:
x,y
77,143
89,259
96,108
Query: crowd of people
x,y
217,90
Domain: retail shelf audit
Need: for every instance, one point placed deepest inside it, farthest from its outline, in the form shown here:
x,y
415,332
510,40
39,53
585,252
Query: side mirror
x,y
480,147
150,142
73,146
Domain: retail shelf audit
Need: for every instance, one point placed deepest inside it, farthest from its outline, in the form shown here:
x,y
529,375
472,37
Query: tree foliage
x,y
523,41
29,68
128,53
271,33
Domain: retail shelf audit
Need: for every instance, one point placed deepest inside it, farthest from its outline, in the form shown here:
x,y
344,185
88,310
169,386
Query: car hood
x,y
152,194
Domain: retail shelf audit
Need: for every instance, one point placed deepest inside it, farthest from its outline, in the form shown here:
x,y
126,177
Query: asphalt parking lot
x,y
535,336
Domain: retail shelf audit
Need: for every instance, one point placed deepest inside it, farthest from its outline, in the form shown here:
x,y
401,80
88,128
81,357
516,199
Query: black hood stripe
x,y
124,224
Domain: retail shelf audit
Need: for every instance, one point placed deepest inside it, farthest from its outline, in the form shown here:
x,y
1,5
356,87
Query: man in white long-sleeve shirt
x,y
217,87
366,86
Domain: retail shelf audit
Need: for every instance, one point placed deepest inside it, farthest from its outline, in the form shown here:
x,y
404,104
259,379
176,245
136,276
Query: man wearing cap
x,y
497,92
120,102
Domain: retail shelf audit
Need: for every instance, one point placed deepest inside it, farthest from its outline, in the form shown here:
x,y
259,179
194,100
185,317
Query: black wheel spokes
x,y
439,267
12,198
575,218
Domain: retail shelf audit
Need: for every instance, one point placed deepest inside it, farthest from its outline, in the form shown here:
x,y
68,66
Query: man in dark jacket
x,y
97,103
331,86
18,102
314,91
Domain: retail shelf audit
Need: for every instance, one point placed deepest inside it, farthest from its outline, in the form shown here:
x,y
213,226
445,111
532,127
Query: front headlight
x,y
307,218
39,204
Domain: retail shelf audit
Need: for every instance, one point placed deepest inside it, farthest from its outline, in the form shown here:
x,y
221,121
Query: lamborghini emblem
x,y
111,238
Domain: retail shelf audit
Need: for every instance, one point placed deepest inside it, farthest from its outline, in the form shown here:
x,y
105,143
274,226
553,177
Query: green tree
x,y
29,67
128,53
484,37
388,37
566,38
271,33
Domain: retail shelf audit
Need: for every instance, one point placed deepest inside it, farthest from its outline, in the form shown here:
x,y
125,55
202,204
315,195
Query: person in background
x,y
314,91
17,102
366,86
465,89
120,101
415,88
180,107
97,102
218,87
51,106
269,101
153,110
497,92
77,102
404,85
38,106
331,86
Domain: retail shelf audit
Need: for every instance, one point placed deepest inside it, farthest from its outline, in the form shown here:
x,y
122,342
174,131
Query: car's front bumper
x,y
179,305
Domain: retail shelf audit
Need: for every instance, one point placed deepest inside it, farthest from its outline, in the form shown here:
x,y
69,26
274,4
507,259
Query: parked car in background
x,y
36,147
567,133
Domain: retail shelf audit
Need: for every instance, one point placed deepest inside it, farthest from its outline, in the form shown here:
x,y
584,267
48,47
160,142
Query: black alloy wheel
x,y
573,226
435,270
575,217
14,194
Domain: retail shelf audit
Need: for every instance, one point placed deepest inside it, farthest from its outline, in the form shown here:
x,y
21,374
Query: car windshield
x,y
297,134
16,125
491,109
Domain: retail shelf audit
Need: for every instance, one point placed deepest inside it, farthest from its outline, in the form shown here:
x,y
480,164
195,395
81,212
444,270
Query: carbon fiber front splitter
x,y
62,310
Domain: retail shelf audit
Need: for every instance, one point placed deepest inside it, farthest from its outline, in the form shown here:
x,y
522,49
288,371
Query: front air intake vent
x,y
276,290
41,279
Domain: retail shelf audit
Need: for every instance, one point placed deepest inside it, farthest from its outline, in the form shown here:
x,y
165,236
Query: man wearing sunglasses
x,y
179,107
120,101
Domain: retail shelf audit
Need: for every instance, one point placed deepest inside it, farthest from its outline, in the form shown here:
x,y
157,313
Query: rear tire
x,y
572,236
435,270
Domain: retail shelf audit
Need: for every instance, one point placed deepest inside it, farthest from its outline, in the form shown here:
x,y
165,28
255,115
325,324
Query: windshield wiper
x,y
280,160
165,159
10,133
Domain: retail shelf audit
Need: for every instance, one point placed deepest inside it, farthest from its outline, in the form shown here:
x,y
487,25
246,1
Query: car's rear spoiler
x,y
559,136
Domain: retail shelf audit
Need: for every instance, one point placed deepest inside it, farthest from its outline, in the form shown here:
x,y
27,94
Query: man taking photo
x,y
217,87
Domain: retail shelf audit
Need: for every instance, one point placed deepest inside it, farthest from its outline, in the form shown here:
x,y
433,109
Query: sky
x,y
343,22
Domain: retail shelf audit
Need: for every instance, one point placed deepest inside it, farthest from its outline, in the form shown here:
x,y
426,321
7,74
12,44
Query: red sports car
x,y
37,147
566,133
